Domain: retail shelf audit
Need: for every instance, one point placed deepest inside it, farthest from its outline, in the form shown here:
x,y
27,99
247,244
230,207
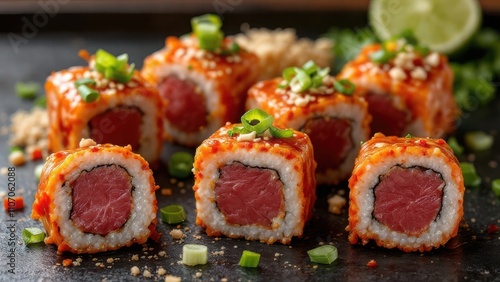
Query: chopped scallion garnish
x,y
115,68
194,254
85,81
409,135
16,148
38,171
257,120
207,30
27,90
455,146
382,56
88,94
180,164
301,79
249,259
32,235
280,133
173,214
325,254
344,86
471,179
495,186
41,102
478,140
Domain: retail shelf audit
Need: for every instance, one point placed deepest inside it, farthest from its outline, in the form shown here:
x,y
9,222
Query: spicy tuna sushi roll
x,y
96,198
309,100
255,181
405,193
203,78
409,90
107,101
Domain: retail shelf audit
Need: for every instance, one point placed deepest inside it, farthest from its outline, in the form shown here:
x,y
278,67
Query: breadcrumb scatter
x,y
147,273
281,48
135,257
176,234
171,278
161,271
17,158
134,270
336,204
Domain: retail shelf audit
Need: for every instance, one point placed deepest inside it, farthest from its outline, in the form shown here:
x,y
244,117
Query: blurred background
x,y
171,15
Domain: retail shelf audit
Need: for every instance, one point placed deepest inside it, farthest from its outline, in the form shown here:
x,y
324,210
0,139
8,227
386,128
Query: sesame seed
x,y
419,73
397,73
432,59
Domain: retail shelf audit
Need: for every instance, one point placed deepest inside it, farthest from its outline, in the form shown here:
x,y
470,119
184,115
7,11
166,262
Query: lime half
x,y
443,25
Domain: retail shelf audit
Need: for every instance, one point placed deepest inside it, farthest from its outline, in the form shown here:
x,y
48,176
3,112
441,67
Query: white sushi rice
x,y
142,213
283,228
440,228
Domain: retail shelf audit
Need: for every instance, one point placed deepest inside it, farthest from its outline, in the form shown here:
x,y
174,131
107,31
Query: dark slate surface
x,y
472,255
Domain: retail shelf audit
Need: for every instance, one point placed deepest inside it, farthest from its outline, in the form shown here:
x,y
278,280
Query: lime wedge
x,y
442,25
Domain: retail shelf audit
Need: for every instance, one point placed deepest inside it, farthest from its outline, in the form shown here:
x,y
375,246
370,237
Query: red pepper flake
x,y
492,229
13,204
36,155
422,142
372,263
67,262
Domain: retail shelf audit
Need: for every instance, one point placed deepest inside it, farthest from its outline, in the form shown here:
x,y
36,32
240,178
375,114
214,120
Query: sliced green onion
x,y
257,120
344,86
237,130
38,171
382,56
32,235
280,133
85,81
301,81
478,140
194,254
455,146
289,73
249,259
408,35
112,67
88,94
173,214
495,186
16,148
180,164
409,135
41,102
27,90
422,50
471,179
325,254
207,30
310,67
